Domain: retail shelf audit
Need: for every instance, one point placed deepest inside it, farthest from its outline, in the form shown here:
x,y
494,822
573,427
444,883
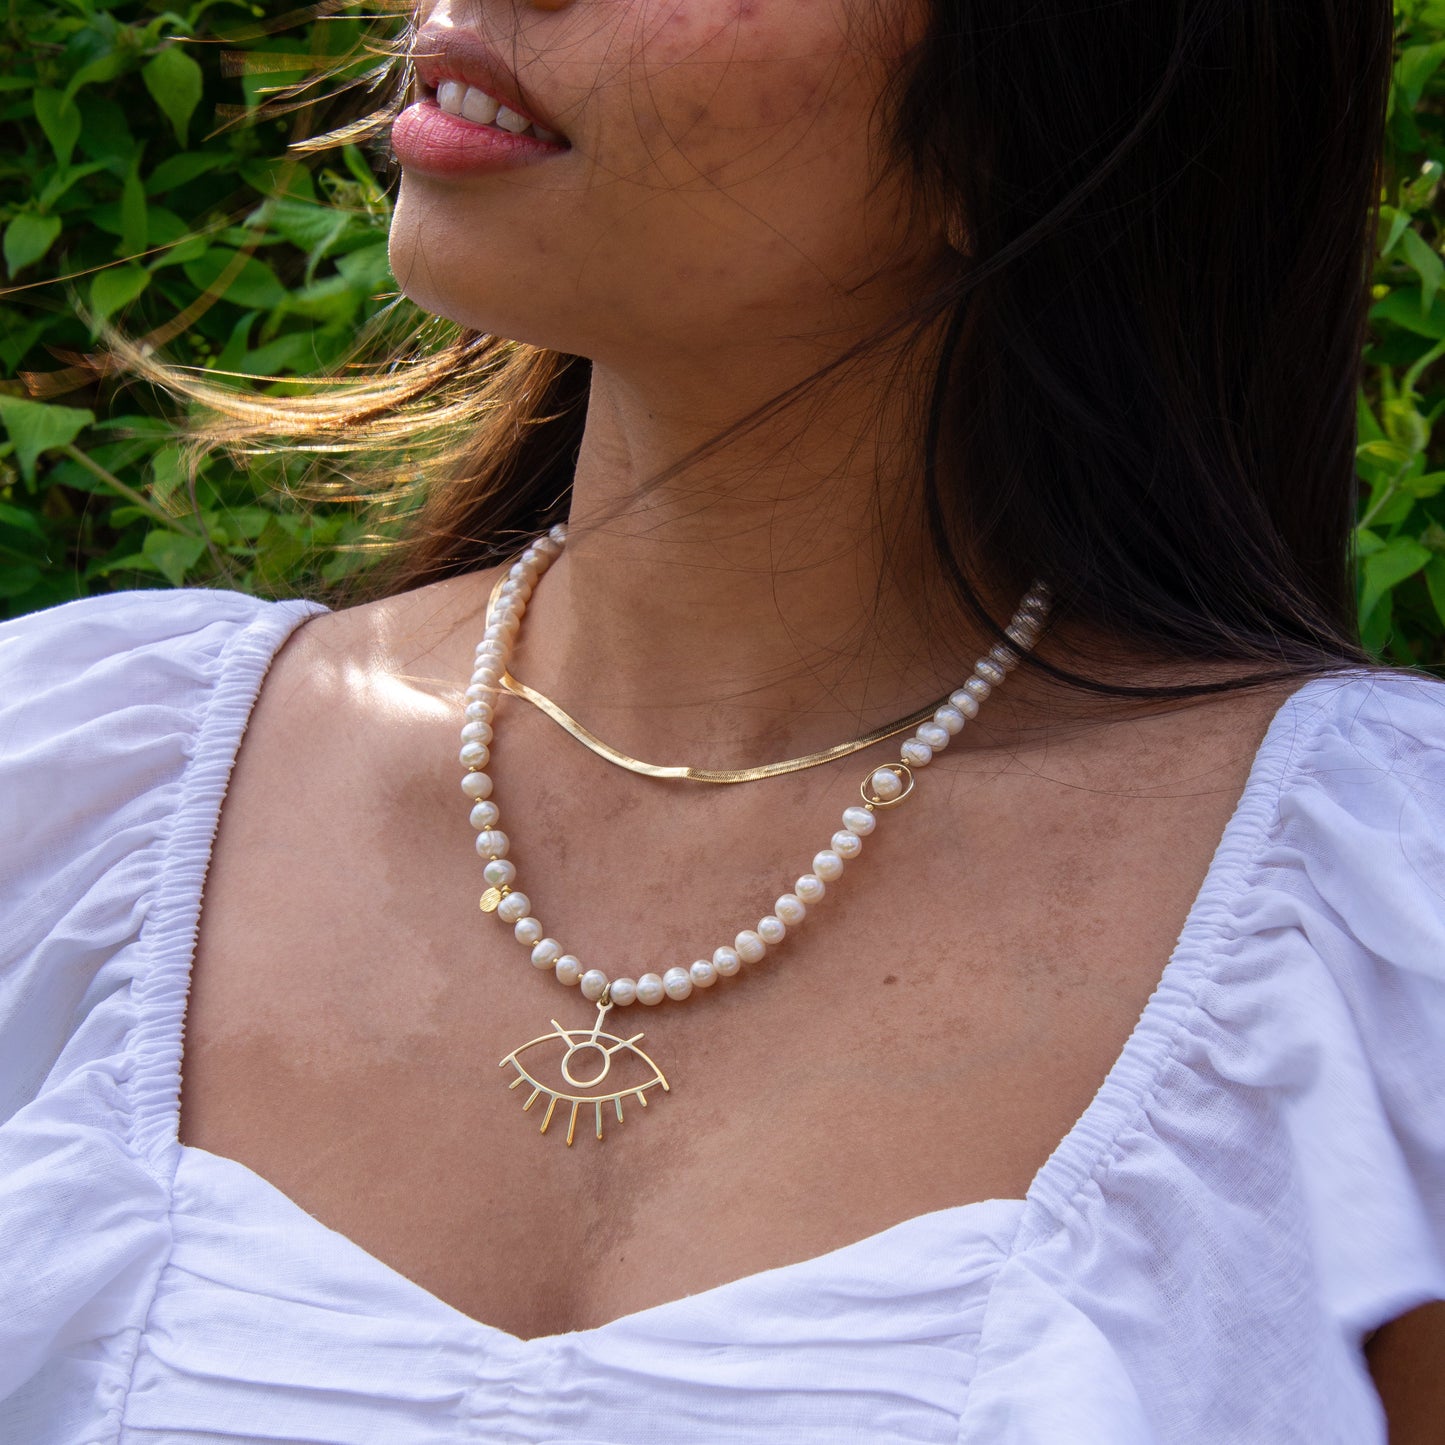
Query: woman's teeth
x,y
481,109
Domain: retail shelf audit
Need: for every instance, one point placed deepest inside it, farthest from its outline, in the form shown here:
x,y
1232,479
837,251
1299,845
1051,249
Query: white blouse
x,y
1258,1184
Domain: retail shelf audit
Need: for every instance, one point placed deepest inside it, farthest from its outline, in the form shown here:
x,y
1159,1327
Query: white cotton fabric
x,y
1258,1184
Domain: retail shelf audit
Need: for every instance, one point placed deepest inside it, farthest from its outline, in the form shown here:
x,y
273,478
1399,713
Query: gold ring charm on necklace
x,y
588,1056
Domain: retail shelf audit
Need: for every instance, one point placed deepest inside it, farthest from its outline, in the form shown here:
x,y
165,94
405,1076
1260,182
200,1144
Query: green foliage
x,y
130,195
1401,535
124,197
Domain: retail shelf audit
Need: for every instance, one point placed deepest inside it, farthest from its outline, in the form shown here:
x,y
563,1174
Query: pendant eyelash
x,y
586,1050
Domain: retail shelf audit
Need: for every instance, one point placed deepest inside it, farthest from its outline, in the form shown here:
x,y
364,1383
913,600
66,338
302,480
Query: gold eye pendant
x,y
586,1062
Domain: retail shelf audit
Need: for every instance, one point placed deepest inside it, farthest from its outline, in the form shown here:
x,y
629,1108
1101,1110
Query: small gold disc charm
x,y
491,899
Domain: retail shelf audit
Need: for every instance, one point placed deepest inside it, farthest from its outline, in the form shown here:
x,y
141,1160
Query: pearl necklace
x,y
589,1054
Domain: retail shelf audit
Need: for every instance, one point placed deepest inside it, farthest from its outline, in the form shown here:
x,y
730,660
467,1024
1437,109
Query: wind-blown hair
x,y
1151,337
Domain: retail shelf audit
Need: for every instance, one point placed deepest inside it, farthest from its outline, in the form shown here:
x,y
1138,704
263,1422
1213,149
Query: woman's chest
x,y
923,1039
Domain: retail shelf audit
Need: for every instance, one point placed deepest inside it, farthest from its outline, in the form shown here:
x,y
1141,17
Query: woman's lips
x,y
425,138
470,117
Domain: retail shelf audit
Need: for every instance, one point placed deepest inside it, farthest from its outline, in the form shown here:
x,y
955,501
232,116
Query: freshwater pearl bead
x,y
859,821
965,702
810,889
790,909
493,843
528,931
828,866
750,946
977,688
935,735
546,953
594,983
771,929
726,960
950,719
486,673
477,732
500,873
677,984
477,785
650,990
989,671
568,970
1006,657
702,973
915,753
475,755
559,534
846,845
1020,635
484,816
623,991
531,559
476,693
478,712
514,907
885,784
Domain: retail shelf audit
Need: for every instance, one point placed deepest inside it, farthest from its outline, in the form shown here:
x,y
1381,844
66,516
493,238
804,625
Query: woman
x,y
899,321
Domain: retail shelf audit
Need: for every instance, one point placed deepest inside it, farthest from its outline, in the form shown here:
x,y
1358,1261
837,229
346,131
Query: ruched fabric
x,y
1258,1184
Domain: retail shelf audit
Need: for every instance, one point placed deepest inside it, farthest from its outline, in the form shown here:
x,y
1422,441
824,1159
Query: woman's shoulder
x,y
1360,806
1312,1063
122,632
87,678
119,720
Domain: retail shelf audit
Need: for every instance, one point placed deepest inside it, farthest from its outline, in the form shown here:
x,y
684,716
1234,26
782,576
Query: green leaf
x,y
168,469
15,341
27,238
1377,625
313,229
172,554
63,179
1417,63
20,519
368,269
1390,454
17,578
247,282
1435,583
1424,262
104,132
134,220
1384,570
175,171
1397,221
115,287
174,80
1404,307
36,427
60,120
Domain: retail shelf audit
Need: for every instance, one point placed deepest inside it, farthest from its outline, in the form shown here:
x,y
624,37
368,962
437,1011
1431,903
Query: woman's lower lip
x,y
426,138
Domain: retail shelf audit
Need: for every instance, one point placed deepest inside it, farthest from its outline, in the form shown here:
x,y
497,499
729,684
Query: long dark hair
x,y
1150,341
1148,392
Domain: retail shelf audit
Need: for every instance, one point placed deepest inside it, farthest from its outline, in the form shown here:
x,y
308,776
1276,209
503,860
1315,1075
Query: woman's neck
x,y
774,595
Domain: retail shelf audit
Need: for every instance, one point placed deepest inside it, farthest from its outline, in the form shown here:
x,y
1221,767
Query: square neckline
x,y
171,932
